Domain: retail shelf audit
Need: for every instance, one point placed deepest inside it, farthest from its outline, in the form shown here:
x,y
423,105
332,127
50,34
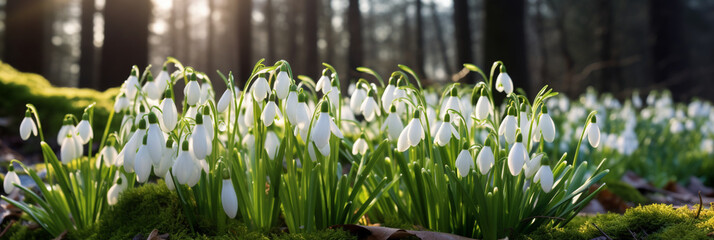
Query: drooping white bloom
x,y
369,108
84,129
357,99
151,88
464,162
143,162
260,88
168,154
155,138
162,80
508,128
225,101
131,146
485,159
272,144
169,116
192,91
121,103
452,102
393,124
504,83
282,83
533,165
593,133
27,126
114,191
446,130
545,177
270,111
108,154
517,156
546,125
10,178
323,127
323,84
169,181
71,148
229,199
360,146
388,95
412,134
483,107
199,144
208,124
206,92
66,129
132,85
291,104
185,166
334,94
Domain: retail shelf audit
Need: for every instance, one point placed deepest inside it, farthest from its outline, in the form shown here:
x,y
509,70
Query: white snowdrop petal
x,y
464,162
229,199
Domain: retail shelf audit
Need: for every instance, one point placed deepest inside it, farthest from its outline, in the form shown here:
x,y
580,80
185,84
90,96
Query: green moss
x,y
656,221
142,209
626,192
18,88
19,231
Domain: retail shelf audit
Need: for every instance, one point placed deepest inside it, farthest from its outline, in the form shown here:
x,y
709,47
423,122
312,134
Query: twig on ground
x,y
603,233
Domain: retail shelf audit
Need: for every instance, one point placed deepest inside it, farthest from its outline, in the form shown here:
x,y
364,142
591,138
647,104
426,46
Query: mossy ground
x,y
153,206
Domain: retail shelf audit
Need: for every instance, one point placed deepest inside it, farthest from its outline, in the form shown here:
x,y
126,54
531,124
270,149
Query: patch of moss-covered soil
x,y
153,206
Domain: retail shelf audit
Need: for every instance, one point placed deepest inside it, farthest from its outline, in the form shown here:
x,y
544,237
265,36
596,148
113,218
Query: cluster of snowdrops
x,y
285,149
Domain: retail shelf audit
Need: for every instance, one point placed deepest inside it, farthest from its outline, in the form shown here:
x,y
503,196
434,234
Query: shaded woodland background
x,y
614,46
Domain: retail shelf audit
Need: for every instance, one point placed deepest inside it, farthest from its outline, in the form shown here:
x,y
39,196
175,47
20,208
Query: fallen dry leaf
x,y
384,233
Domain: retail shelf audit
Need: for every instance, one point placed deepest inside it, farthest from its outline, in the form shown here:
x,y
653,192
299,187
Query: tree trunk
x,y
419,40
440,39
310,61
505,39
26,35
125,40
462,30
210,41
245,61
293,55
269,26
329,33
669,53
608,75
354,21
87,50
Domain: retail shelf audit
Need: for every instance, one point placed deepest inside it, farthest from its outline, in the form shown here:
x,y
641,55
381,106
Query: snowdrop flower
x,y
504,82
132,84
248,141
228,196
412,134
388,95
358,99
121,103
192,91
71,147
533,165
84,129
369,107
169,116
270,111
155,138
464,161
142,166
517,156
324,151
546,125
508,126
131,146
28,126
10,178
446,130
167,155
272,144
260,88
545,177
360,146
334,94
483,106
282,82
593,133
302,113
291,104
225,101
206,91
108,154
66,129
200,146
485,159
452,102
114,191
323,84
323,127
185,166
393,124
151,88
162,80
169,181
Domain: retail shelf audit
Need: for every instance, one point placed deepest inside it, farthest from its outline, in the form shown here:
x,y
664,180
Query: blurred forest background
x,y
614,46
